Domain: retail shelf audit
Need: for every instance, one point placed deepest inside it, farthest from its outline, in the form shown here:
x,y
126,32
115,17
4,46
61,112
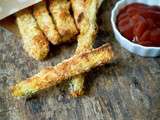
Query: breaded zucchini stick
x,y
85,16
34,42
63,19
45,22
52,76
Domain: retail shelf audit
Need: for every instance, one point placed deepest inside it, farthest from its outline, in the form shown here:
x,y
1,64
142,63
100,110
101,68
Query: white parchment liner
x,y
8,7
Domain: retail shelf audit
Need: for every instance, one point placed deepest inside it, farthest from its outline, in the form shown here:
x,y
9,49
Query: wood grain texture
x,y
127,89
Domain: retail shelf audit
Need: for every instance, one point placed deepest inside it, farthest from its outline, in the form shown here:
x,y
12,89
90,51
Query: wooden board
x,y
127,89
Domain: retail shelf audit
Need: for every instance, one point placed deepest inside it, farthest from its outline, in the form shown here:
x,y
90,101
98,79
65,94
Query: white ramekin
x,y
130,46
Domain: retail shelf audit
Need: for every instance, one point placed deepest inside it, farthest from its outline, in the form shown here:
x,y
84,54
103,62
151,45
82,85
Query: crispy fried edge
x,y
52,76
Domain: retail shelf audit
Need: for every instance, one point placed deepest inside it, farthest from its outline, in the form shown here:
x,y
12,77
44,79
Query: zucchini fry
x,y
45,22
63,19
34,42
52,76
85,16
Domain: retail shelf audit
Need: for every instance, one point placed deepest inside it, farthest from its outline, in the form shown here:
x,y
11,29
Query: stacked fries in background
x,y
63,19
58,28
45,22
56,24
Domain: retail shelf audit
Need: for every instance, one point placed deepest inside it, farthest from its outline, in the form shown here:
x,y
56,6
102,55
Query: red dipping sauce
x,y
140,24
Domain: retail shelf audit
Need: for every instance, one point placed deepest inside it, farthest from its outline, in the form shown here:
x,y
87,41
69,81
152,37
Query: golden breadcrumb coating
x,y
85,17
34,42
63,19
88,25
45,22
52,76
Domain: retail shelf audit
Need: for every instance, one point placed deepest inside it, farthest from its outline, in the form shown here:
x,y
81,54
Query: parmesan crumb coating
x,y
34,42
52,76
63,19
45,22
85,17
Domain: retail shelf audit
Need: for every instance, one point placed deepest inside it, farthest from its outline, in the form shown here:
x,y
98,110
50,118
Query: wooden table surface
x,y
127,89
